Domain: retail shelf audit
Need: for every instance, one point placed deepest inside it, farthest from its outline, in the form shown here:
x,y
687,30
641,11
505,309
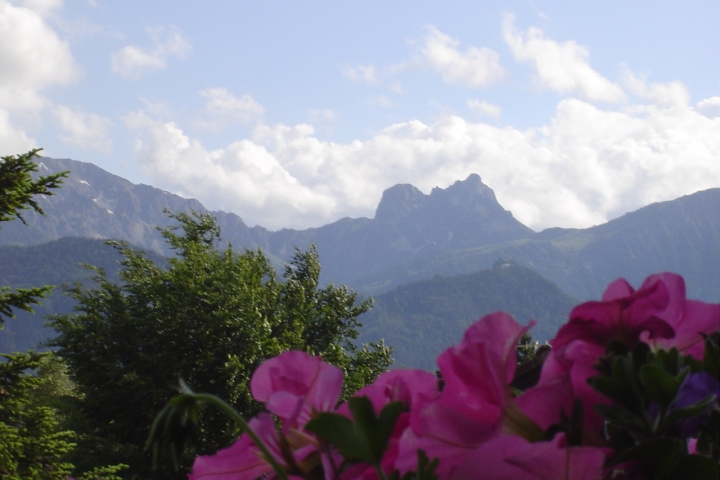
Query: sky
x,y
295,114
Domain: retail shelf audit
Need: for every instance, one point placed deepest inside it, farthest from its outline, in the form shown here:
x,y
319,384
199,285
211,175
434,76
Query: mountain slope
x,y
423,318
54,263
96,204
681,236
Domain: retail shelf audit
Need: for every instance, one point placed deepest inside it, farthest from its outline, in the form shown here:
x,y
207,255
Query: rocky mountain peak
x,y
399,201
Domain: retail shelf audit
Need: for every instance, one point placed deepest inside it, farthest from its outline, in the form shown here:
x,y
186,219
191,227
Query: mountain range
x,y
413,238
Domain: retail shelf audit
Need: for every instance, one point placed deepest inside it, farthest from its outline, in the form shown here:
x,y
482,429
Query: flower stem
x,y
244,426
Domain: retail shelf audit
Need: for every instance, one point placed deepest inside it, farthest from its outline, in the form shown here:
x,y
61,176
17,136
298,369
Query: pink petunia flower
x,y
657,313
408,386
476,403
509,457
294,386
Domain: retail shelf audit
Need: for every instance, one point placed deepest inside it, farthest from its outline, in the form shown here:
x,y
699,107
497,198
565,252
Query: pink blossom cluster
x,y
475,425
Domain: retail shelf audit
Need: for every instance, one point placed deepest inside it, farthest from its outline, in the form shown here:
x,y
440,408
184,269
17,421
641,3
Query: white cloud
x,y
562,67
583,168
12,140
42,7
32,57
85,130
476,67
223,108
133,62
484,107
362,74
666,94
710,107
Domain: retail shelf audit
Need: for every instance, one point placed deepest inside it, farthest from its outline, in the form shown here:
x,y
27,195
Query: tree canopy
x,y
211,317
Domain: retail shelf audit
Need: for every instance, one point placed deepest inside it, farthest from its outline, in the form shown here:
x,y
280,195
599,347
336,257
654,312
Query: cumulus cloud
x,y
584,167
562,67
32,57
667,94
475,67
484,107
710,107
223,108
81,129
133,62
13,140
42,7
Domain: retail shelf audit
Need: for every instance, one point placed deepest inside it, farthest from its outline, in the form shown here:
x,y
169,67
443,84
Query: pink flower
x,y
657,313
508,457
293,385
408,386
243,460
476,403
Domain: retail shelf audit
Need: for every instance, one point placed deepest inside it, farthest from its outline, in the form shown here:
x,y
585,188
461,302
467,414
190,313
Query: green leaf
x,y
661,386
364,439
711,357
661,454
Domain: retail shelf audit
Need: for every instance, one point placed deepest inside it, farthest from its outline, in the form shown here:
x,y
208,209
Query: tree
x,y
17,189
34,444
211,317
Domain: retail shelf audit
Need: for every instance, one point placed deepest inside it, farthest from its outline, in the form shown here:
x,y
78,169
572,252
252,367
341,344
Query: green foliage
x,y
365,437
17,189
33,446
423,318
54,263
211,317
652,412
18,186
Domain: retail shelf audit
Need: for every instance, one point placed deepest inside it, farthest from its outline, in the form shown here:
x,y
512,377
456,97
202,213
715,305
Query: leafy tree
x,y
17,189
211,317
32,445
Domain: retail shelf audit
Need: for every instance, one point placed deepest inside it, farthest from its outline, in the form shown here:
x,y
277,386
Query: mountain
x,y
421,319
681,236
414,236
59,262
93,203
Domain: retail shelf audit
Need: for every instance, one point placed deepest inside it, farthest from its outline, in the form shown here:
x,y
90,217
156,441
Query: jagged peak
x,y
398,201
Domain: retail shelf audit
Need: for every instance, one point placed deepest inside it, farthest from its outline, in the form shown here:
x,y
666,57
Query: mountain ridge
x,y
414,236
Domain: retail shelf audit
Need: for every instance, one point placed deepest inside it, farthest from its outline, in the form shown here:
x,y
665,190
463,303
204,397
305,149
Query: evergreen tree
x,y
211,317
17,191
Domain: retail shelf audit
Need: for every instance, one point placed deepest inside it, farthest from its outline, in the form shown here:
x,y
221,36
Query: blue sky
x,y
296,114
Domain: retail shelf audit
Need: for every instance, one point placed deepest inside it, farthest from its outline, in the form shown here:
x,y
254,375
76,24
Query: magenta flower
x,y
294,386
509,457
243,460
657,313
476,403
408,386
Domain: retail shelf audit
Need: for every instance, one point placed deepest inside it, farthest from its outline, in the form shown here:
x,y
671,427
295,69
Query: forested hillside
x,y
421,319
60,262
